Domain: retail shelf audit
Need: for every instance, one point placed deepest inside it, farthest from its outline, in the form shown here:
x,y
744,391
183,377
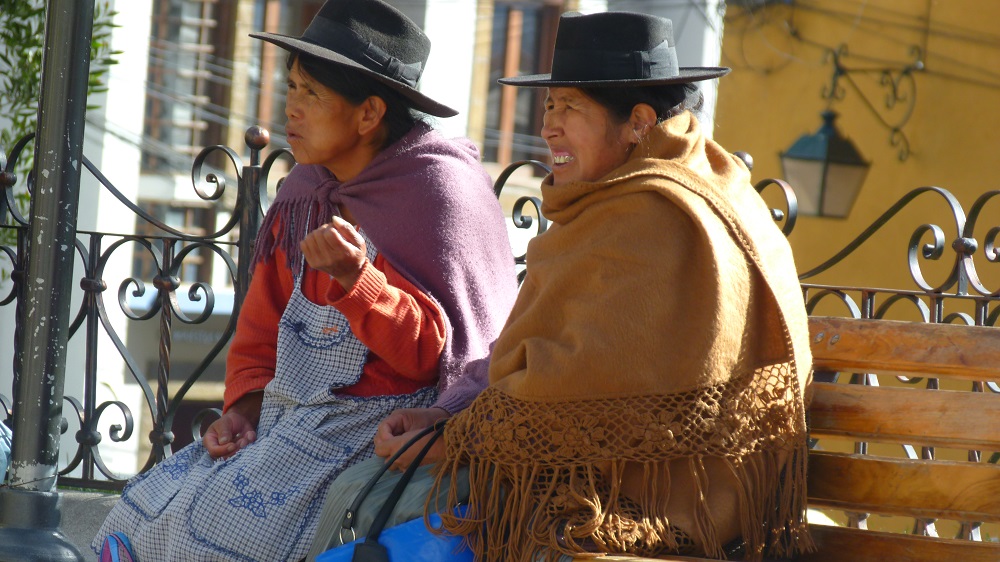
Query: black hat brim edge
x,y
685,75
420,101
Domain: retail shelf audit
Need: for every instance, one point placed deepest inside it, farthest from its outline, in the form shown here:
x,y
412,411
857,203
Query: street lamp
x,y
825,169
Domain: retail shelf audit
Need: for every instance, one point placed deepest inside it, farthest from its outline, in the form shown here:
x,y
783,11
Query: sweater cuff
x,y
452,404
362,296
245,384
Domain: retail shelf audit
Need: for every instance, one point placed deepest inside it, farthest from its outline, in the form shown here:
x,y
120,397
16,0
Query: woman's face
x,y
585,144
323,127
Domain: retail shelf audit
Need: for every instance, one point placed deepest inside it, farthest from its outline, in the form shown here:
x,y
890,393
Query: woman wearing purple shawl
x,y
381,273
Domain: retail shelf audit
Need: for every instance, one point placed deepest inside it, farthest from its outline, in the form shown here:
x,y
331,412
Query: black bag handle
x,y
347,523
370,550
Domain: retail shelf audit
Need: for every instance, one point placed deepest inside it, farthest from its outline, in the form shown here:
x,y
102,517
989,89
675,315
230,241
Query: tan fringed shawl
x,y
651,374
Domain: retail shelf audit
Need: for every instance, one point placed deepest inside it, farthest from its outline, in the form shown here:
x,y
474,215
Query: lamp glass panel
x,y
843,181
805,177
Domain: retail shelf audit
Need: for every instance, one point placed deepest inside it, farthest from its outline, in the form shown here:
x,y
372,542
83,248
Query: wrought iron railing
x,y
168,249
961,295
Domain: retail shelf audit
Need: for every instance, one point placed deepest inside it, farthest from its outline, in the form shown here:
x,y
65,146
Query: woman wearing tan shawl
x,y
646,395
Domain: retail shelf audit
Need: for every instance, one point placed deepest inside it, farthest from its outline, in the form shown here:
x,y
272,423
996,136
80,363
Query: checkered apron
x,y
263,503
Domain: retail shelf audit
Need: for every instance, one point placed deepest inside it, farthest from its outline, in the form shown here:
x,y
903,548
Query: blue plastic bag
x,y
410,542
116,548
5,436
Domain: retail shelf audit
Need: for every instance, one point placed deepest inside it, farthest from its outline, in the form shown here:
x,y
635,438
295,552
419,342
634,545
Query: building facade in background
x,y
915,85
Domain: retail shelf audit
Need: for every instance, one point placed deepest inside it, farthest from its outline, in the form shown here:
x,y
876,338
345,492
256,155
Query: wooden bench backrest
x,y
962,491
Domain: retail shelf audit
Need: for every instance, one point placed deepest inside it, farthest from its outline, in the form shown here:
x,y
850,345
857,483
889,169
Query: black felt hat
x,y
373,38
615,49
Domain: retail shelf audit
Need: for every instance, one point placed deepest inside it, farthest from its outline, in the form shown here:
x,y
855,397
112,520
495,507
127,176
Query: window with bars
x,y
189,80
523,38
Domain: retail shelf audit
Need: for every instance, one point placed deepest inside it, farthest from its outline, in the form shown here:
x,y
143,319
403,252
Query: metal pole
x,y
252,190
29,508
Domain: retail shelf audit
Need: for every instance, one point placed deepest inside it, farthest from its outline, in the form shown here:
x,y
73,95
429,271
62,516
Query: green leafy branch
x,y
22,32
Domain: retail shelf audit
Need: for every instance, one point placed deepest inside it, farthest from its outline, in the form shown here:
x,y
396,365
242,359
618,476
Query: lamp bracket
x,y
898,83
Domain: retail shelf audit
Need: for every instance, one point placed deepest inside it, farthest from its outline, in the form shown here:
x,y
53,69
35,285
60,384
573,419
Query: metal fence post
x,y
29,508
252,205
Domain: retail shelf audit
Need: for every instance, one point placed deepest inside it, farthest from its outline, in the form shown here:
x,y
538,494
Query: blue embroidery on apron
x,y
253,499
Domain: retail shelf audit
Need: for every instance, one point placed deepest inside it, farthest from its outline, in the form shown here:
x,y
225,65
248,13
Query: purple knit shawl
x,y
428,206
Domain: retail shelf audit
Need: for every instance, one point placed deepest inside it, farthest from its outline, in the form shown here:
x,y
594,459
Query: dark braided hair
x,y
666,100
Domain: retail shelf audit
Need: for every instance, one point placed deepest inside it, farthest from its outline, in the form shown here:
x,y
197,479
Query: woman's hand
x,y
236,429
400,427
336,249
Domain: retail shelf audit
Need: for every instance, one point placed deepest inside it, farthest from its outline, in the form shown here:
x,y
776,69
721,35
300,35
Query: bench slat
x,y
839,544
905,348
916,488
934,418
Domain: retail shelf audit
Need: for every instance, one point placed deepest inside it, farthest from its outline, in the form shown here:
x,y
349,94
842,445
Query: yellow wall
x,y
774,95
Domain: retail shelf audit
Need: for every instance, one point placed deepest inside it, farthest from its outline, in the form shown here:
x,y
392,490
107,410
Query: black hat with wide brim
x,y
615,49
373,38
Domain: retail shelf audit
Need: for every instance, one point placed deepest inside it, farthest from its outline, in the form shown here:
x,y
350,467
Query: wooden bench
x,y
961,491
916,488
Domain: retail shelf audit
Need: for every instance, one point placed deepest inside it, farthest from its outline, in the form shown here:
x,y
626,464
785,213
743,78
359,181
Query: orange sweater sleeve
x,y
403,328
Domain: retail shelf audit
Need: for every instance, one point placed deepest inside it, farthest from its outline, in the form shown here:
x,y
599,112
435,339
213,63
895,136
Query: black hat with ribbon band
x,y
615,49
373,38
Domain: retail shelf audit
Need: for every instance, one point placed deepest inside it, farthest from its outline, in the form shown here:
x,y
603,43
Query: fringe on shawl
x,y
293,228
523,509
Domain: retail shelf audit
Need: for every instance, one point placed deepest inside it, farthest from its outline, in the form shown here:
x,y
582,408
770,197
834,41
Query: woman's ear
x,y
371,112
643,118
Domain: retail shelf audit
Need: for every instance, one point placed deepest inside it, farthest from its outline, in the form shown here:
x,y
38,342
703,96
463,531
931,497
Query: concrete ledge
x,y
82,514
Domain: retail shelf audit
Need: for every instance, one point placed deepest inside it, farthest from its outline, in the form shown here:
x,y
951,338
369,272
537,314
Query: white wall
x,y
6,312
112,140
450,25
110,137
